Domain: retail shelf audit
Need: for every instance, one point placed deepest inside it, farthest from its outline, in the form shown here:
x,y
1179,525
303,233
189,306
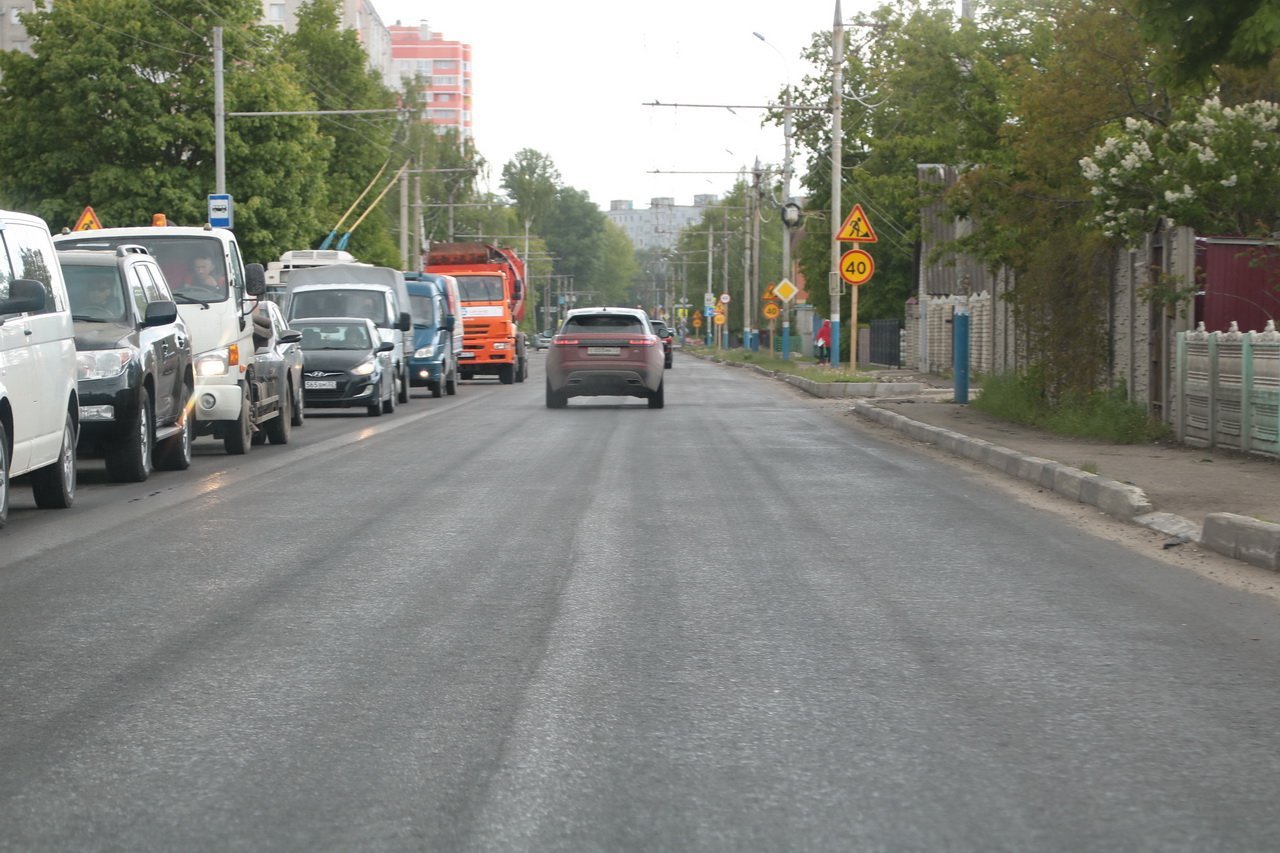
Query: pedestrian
x,y
822,342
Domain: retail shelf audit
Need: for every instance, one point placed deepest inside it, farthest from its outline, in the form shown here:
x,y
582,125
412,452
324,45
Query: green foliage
x,y
1104,415
1199,34
531,179
1214,168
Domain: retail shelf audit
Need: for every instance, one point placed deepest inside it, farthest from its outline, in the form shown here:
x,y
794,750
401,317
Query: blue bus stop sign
x,y
221,210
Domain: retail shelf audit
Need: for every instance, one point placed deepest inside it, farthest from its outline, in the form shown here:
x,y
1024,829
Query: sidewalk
x,y
1228,502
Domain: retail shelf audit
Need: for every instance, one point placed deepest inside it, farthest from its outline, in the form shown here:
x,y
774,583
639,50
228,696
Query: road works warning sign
x,y
857,228
88,221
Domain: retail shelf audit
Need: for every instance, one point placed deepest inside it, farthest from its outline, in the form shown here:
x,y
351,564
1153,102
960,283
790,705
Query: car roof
x,y
103,256
359,321
631,312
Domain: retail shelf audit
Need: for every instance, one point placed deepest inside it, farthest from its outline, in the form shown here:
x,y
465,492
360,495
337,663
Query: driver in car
x,y
202,274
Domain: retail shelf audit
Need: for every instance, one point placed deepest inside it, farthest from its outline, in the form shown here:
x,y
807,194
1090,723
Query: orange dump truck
x,y
491,288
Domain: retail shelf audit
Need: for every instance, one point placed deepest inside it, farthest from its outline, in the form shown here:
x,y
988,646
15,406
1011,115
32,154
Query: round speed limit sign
x,y
856,267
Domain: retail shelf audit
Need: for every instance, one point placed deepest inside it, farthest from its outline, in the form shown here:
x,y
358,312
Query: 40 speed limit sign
x,y
856,267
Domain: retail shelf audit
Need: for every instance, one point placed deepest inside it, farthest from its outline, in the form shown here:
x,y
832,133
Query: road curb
x,y
1236,536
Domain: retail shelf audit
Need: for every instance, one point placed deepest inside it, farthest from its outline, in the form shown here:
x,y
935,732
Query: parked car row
x,y
127,344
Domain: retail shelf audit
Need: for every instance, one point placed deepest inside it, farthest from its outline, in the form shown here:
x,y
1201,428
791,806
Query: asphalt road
x,y
738,623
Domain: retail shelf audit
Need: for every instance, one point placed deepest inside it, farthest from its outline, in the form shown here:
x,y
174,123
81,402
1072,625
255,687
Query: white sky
x,y
570,78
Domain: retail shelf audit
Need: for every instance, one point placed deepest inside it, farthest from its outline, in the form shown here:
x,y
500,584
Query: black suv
x,y
135,377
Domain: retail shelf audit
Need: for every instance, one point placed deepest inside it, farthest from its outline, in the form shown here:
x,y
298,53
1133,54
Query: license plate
x,y
604,350
466,355
319,384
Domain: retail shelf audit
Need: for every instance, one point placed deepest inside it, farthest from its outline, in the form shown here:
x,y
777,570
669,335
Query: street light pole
x,y
788,222
837,176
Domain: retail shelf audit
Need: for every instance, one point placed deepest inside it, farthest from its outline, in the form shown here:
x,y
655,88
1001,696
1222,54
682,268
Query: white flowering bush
x,y
1215,169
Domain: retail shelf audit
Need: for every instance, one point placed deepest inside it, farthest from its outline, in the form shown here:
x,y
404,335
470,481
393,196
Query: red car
x,y
605,352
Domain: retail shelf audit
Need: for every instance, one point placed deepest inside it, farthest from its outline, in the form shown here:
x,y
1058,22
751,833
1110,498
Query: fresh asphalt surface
x,y
736,623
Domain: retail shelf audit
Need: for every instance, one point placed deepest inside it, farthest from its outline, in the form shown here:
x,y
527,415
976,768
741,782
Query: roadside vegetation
x,y
1101,415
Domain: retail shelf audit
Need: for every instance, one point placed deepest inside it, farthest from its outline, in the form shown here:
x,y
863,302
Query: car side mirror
x,y
255,279
406,322
450,322
25,295
385,346
161,312
290,336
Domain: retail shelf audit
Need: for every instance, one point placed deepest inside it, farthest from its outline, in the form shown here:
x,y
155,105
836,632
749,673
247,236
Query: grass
x,y
1104,416
794,366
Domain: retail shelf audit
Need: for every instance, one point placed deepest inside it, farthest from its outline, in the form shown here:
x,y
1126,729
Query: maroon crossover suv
x,y
605,352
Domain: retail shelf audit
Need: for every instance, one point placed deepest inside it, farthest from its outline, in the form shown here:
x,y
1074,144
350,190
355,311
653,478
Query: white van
x,y
357,290
39,408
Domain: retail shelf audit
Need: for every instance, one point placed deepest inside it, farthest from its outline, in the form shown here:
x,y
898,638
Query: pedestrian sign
x,y
88,221
857,228
856,267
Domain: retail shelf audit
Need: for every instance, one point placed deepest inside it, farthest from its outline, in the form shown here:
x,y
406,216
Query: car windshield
x,y
340,303
605,323
193,266
343,336
423,309
96,293
480,288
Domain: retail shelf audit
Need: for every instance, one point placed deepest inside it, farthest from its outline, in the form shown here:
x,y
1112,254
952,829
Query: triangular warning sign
x,y
88,221
857,228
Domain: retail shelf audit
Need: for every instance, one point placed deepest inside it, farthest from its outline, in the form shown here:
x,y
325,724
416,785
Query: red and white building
x,y
444,67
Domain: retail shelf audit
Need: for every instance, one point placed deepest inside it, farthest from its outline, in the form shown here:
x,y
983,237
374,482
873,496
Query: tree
x,y
531,179
1199,34
363,156
130,105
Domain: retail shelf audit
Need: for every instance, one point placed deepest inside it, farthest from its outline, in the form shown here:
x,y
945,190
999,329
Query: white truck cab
x,y
39,408
216,293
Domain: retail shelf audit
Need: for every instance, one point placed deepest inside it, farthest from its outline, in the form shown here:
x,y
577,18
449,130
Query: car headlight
x,y
500,345
102,363
425,352
365,369
216,362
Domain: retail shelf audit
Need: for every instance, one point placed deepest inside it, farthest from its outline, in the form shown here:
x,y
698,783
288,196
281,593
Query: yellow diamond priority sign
x,y
785,290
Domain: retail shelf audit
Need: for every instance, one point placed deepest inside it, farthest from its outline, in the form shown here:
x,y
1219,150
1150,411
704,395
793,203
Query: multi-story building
x,y
658,226
443,66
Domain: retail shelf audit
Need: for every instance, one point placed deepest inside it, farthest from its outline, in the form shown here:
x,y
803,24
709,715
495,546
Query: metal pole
x,y
755,262
837,176
219,117
710,293
960,356
405,224
786,229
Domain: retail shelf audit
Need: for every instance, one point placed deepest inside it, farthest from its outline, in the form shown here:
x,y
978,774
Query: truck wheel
x,y
389,404
402,393
4,475
522,369
277,429
54,486
507,374
129,461
175,453
239,436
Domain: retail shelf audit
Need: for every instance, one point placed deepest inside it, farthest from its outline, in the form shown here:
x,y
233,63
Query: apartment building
x,y
659,225
443,66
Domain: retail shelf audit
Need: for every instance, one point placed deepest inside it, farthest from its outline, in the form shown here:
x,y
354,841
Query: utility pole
x,y
837,177
758,196
219,117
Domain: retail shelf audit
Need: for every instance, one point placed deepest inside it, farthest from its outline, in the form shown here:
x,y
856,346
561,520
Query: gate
x,y
886,343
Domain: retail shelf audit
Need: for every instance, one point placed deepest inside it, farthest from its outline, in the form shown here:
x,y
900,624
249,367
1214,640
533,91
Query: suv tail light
x,y
565,342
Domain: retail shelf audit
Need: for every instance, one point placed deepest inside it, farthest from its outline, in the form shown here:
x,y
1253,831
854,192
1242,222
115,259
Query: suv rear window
x,y
605,323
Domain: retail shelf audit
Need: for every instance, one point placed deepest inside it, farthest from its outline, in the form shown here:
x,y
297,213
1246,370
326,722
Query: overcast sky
x,y
570,78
